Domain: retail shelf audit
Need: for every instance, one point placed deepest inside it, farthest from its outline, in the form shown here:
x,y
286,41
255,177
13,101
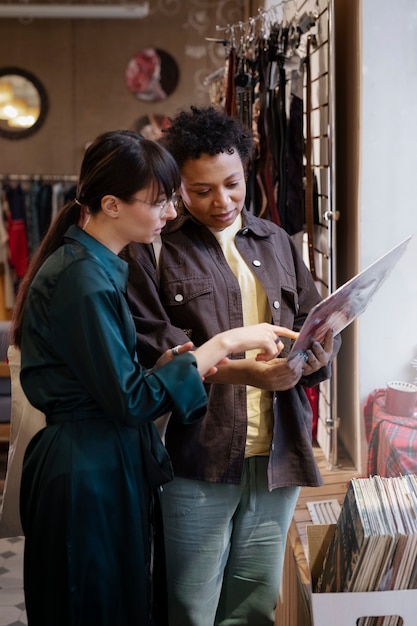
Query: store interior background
x,y
82,65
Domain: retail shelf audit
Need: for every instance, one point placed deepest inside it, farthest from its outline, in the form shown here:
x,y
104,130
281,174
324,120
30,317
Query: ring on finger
x,y
175,351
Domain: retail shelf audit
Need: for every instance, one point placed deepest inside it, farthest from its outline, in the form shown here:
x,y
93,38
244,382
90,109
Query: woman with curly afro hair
x,y
238,470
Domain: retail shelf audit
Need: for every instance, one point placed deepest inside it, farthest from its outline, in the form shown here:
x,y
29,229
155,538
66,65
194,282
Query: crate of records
x,y
364,567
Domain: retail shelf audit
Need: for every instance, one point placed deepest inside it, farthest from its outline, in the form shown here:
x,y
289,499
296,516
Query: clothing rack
x,y
260,25
28,203
27,178
273,13
267,17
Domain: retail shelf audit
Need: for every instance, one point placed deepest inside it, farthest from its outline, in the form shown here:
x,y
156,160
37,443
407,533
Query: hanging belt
x,y
230,99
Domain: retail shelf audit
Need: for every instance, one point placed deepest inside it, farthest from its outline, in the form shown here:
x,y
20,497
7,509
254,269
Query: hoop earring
x,y
178,202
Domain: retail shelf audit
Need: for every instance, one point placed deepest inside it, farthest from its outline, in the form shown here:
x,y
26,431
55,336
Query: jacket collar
x,y
258,226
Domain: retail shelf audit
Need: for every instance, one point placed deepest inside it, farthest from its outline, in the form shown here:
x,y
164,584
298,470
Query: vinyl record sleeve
x,y
349,301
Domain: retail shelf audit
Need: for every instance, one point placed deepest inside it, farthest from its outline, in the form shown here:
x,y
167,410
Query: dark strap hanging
x,y
230,99
265,161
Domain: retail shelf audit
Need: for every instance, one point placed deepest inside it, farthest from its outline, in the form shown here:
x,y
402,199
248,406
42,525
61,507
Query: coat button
x,y
178,297
256,263
245,231
276,304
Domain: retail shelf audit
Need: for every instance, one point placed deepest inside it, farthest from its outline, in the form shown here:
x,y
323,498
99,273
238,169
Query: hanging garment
x,y
312,394
293,208
265,162
9,291
16,224
230,104
32,218
45,208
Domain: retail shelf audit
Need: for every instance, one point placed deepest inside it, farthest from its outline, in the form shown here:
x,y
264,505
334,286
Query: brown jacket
x,y
195,295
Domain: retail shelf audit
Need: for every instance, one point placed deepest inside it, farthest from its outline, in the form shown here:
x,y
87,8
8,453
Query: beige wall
x,y
82,64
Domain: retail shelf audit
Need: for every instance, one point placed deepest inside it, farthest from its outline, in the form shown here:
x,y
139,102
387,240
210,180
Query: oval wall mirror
x,y
23,103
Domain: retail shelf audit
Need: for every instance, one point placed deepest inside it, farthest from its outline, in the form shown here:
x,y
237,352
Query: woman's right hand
x,y
265,337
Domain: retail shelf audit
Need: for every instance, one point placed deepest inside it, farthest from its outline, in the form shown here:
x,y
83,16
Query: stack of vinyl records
x,y
374,547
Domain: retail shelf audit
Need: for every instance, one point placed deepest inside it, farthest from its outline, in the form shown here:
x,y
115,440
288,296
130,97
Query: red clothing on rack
x,y
18,246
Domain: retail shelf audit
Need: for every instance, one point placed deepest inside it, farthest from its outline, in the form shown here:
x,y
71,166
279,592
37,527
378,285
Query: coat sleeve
x,y
155,333
94,341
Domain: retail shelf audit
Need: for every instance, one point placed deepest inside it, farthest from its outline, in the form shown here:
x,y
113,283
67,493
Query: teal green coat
x,y
89,478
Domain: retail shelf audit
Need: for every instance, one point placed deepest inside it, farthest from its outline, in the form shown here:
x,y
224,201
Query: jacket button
x,y
178,297
245,231
276,304
256,263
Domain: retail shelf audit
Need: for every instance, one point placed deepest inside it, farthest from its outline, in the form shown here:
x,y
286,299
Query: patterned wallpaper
x,y
82,64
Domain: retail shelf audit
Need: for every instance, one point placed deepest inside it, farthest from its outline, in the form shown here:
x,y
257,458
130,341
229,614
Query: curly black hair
x,y
206,130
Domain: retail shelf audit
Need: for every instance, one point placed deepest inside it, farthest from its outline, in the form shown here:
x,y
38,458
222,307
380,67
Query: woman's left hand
x,y
170,354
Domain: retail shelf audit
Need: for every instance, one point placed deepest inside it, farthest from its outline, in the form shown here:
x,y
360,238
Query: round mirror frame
x,y
44,104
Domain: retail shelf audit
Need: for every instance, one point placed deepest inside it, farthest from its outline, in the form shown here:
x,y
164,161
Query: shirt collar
x,y
114,265
260,227
229,232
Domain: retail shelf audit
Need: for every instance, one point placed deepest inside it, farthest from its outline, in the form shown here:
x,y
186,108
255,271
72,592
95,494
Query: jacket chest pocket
x,y
185,300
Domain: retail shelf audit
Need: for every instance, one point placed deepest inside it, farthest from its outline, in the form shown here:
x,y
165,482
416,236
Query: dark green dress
x,y
90,478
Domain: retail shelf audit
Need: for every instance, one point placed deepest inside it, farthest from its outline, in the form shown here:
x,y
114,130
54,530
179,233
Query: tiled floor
x,y
12,602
